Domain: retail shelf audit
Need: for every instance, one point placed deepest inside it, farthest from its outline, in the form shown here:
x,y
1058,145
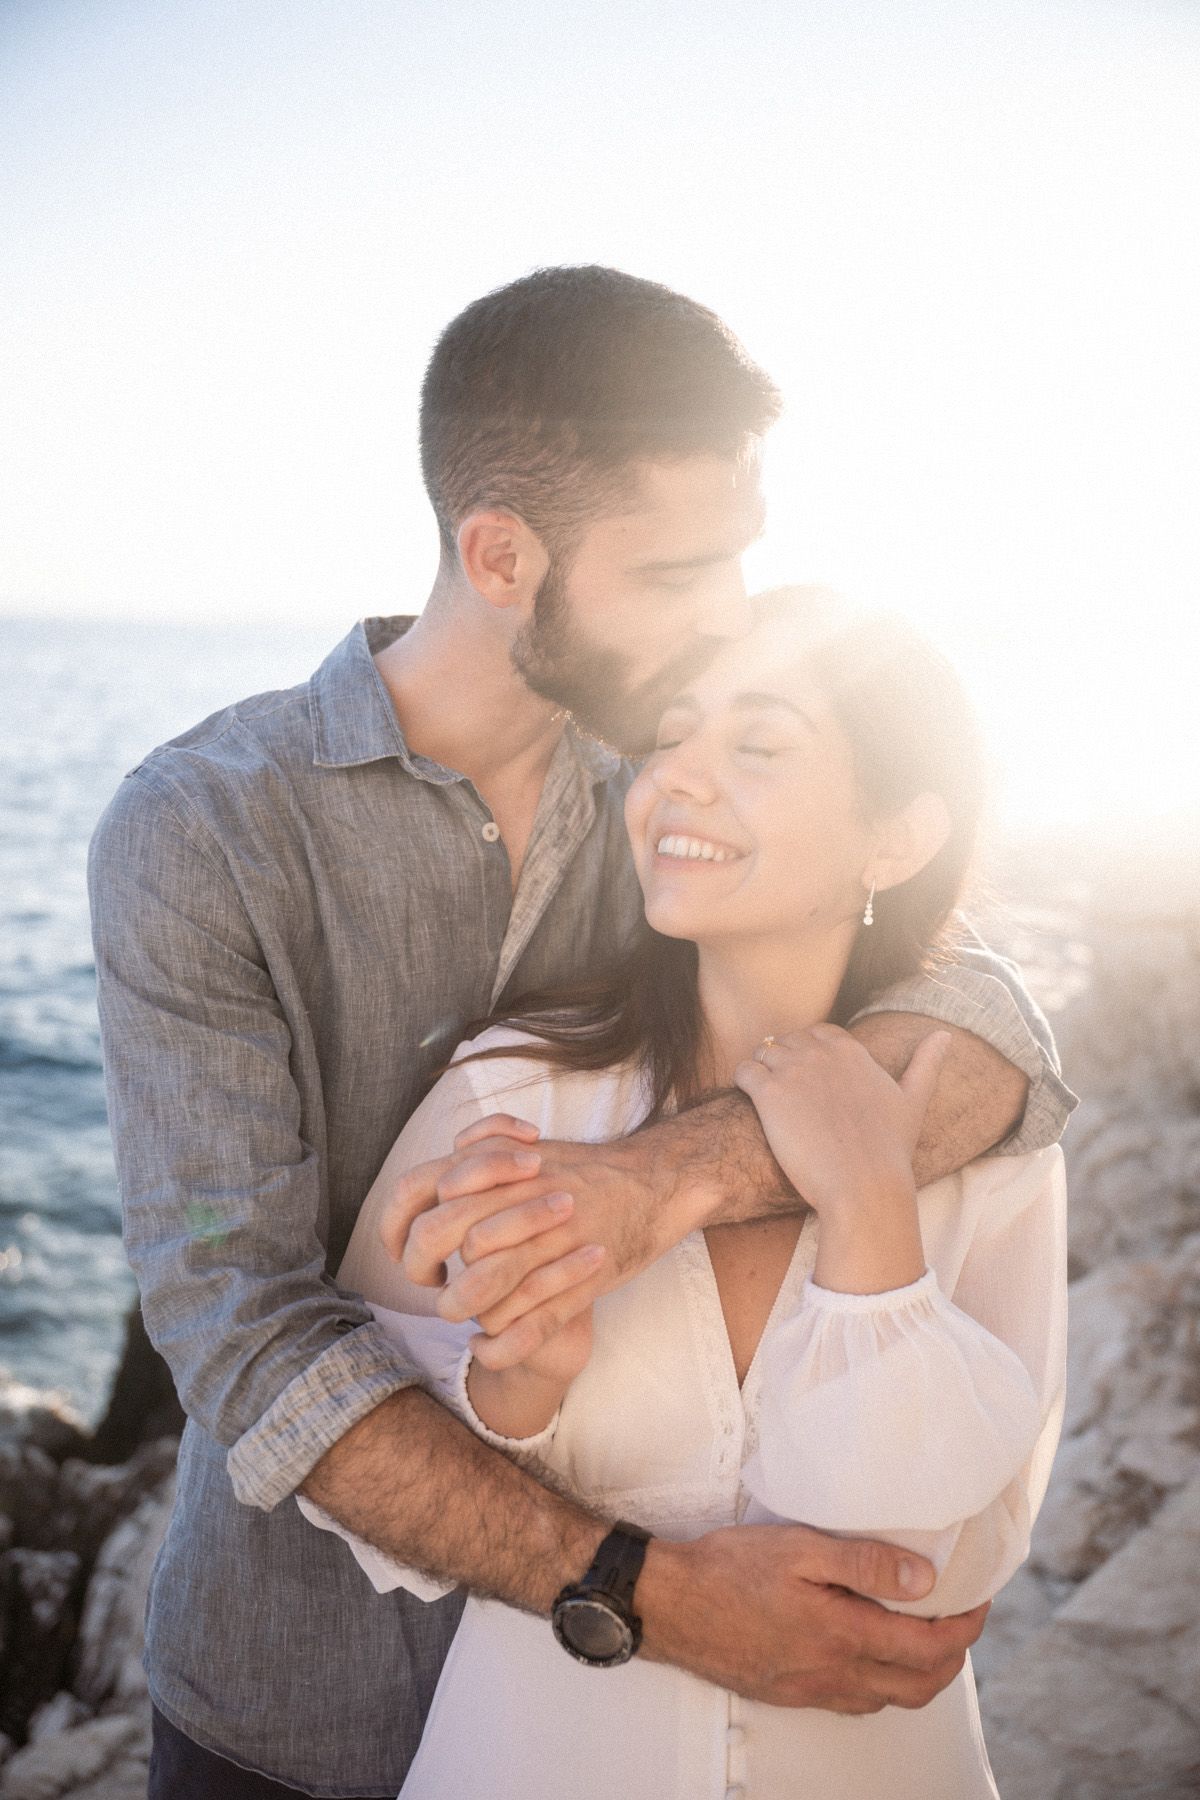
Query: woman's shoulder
x,y
510,1069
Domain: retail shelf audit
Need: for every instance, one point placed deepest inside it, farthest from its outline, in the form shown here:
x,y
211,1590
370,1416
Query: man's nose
x,y
725,611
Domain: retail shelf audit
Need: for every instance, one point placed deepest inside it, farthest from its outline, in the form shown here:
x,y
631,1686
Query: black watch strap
x,y
618,1563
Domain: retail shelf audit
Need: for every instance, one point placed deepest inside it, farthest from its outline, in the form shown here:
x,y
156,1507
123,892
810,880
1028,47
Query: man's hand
x,y
774,1612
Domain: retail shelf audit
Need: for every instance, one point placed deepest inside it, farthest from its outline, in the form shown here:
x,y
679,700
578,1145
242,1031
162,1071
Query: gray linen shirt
x,y
294,917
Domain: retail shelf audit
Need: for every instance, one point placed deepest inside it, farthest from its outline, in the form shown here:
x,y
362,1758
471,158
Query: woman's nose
x,y
683,771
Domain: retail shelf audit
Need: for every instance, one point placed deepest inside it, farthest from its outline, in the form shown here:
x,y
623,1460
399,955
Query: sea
x,y
80,704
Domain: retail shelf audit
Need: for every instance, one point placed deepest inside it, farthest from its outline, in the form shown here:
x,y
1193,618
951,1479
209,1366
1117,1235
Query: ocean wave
x,y
17,1056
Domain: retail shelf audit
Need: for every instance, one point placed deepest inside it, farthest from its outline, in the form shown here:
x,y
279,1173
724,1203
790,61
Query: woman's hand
x,y
520,1399
844,1134
841,1129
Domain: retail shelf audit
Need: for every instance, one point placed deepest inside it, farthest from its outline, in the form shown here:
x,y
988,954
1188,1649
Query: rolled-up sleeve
x,y
221,1193
984,994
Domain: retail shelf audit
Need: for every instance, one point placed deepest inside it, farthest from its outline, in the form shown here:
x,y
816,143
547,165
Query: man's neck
x,y
461,703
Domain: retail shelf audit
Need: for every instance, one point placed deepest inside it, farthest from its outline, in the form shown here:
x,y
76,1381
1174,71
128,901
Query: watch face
x,y
592,1631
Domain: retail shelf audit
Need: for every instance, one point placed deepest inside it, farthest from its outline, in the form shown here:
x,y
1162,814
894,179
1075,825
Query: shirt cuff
x,y
984,1005
520,1447
315,1409
889,1300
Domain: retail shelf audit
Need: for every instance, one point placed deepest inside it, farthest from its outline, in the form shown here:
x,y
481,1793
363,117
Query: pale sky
x,y
963,237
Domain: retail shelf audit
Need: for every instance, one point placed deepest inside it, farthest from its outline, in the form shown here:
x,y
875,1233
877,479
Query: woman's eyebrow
x,y
752,702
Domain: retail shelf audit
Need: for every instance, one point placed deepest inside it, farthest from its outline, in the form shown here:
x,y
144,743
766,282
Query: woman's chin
x,y
675,921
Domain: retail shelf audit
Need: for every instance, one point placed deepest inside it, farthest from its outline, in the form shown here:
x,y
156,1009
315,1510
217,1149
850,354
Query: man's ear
x,y
504,561
909,840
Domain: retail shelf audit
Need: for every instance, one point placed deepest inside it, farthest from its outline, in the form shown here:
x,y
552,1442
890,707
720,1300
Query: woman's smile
x,y
680,847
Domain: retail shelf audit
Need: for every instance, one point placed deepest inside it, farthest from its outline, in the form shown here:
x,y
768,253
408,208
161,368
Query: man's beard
x,y
557,660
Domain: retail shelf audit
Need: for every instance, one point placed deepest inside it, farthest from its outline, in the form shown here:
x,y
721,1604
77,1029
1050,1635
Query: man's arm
x,y
414,1481
221,1193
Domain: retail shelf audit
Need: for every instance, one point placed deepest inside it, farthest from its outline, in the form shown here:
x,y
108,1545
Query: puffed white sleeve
x,y
925,1418
440,1350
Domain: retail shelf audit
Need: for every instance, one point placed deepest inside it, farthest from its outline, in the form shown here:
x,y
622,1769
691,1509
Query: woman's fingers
x,y
496,1125
752,1077
411,1194
515,1225
493,1280
493,1165
551,1281
524,1338
435,1234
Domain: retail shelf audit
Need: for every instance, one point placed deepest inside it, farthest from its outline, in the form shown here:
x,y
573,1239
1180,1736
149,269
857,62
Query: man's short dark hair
x,y
540,396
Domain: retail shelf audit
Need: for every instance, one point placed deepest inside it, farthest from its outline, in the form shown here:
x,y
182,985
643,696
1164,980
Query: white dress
x,y
927,1416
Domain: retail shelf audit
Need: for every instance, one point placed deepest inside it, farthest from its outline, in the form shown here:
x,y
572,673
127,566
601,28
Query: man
x,y
297,907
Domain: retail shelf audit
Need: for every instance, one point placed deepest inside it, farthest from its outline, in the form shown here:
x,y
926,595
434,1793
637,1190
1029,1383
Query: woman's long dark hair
x,y
911,731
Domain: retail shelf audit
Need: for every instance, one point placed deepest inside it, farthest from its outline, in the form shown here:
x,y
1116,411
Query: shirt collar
x,y
354,721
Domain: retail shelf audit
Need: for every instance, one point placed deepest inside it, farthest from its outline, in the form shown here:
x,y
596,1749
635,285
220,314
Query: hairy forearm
x,y
978,1099
416,1483
716,1166
723,1171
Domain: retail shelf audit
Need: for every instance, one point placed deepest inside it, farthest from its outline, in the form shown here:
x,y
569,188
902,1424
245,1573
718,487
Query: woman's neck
x,y
750,990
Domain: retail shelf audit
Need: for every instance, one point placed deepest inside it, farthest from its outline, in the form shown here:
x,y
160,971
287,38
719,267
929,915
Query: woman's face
x,y
746,821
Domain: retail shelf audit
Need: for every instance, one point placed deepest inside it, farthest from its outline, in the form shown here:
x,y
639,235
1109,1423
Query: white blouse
x,y
927,1416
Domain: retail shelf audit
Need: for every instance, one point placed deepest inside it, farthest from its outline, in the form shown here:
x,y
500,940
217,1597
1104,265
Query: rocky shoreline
x,y
1089,1668
81,1517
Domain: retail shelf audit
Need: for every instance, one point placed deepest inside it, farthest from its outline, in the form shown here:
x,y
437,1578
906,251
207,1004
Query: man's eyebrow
x,y
672,564
706,561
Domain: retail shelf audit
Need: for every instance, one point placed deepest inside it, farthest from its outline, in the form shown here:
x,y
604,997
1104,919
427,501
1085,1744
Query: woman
x,y
888,1365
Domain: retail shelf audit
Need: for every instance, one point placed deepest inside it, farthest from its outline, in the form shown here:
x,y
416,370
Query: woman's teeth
x,y
694,849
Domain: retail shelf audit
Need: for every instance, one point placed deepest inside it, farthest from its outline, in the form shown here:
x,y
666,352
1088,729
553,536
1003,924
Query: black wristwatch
x,y
594,1619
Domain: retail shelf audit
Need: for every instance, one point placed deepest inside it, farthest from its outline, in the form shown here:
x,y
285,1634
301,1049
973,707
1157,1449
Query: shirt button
x,y
491,831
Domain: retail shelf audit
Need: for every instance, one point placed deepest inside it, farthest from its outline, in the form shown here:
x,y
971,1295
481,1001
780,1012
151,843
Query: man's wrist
x,y
663,1588
674,1195
678,1163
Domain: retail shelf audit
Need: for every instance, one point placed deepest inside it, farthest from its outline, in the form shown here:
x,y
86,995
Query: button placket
x,y
737,1773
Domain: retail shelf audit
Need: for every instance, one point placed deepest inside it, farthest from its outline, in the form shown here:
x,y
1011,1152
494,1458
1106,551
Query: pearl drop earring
x,y
869,914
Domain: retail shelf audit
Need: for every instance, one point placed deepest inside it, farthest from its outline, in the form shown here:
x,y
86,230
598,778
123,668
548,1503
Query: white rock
x,y
61,1764
1018,1611
58,1714
1131,1434
110,1634
1105,1700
